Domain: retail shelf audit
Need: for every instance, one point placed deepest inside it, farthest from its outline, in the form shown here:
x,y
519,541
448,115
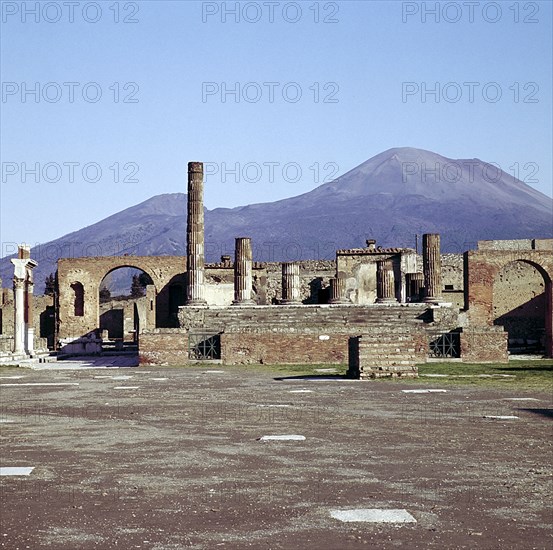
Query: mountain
x,y
391,197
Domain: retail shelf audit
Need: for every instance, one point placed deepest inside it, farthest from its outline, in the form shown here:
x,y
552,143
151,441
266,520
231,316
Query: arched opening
x,y
78,299
520,306
125,298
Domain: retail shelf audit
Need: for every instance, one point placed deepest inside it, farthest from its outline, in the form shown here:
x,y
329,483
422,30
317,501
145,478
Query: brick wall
x,y
277,348
163,347
484,345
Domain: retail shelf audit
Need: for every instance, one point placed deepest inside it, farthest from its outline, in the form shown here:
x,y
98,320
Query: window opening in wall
x,y
78,299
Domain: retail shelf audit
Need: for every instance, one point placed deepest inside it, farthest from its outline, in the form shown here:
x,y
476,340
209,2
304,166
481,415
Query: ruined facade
x,y
484,269
381,309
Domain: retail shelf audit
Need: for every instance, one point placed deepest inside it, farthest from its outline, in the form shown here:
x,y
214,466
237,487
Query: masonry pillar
x,y
19,314
432,267
290,283
195,289
337,290
243,271
415,282
385,287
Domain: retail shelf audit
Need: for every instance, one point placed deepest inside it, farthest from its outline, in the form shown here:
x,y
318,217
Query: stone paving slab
x,y
373,515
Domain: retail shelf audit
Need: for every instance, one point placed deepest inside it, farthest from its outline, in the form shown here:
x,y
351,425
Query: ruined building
x,y
381,309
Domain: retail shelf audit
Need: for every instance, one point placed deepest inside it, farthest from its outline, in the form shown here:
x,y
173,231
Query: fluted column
x,y
19,314
243,271
385,287
290,283
337,290
432,267
415,282
195,289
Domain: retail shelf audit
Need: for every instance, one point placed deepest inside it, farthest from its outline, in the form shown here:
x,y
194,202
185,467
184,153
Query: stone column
x,y
432,267
415,283
385,288
243,272
290,283
19,314
195,289
29,318
337,290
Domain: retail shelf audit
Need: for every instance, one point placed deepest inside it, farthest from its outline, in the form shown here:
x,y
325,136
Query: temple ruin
x,y
381,310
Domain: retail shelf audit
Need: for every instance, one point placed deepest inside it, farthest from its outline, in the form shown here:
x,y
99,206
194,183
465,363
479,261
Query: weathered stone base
x,y
484,345
11,357
379,355
7,344
80,346
388,371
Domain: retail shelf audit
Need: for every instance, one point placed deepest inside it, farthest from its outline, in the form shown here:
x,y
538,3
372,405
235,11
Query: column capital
x,y
18,283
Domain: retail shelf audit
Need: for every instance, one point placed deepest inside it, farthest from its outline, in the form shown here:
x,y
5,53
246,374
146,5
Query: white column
x,y
30,328
19,315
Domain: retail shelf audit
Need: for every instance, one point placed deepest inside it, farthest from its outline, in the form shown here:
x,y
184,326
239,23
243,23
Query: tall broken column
x,y
195,289
385,285
243,271
432,267
290,283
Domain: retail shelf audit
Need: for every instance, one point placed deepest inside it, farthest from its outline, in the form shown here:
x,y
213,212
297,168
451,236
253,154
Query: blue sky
x,y
361,69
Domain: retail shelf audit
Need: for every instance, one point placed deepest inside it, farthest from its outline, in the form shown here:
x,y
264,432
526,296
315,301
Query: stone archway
x,y
519,306
89,272
482,268
124,297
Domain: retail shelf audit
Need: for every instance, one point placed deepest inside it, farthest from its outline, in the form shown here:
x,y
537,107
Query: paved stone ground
x,y
169,458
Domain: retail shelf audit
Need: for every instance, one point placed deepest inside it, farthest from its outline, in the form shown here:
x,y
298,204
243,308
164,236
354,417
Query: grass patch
x,y
277,370
287,370
306,370
522,374
534,375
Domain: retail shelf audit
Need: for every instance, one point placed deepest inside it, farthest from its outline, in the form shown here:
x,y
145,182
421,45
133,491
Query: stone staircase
x,y
393,337
304,319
